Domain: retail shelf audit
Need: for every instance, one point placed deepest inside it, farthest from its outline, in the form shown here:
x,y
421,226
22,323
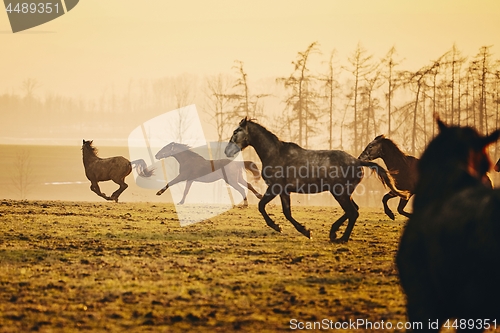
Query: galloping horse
x,y
449,255
287,168
402,167
113,168
195,168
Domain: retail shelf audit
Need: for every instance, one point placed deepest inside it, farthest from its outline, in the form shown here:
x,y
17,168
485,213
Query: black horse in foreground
x,y
402,167
112,168
449,254
288,168
195,168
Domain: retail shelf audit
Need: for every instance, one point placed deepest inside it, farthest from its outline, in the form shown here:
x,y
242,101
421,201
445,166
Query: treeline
x,y
324,102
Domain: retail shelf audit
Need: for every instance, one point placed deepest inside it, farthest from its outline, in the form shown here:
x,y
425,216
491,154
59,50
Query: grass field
x,y
115,267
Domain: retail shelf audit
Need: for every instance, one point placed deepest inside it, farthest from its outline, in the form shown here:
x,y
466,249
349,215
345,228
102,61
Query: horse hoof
x,y
276,227
339,241
159,192
391,215
333,237
308,234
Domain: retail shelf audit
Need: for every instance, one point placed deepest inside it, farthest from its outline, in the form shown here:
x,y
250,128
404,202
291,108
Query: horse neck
x,y
265,143
188,156
89,155
435,187
393,157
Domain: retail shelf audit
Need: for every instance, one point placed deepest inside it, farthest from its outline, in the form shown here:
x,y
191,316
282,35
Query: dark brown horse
x,y
402,167
287,168
113,168
195,168
449,255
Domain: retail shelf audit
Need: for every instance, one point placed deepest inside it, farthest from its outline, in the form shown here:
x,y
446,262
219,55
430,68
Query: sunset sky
x,y
101,45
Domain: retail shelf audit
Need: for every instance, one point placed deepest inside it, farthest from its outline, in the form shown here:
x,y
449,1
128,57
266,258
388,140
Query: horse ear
x,y
493,137
381,136
243,121
83,141
441,125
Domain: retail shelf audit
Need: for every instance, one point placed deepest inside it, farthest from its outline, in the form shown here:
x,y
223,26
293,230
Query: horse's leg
x,y
170,183
285,204
387,210
401,207
97,190
241,190
123,187
160,192
186,190
250,187
351,212
268,196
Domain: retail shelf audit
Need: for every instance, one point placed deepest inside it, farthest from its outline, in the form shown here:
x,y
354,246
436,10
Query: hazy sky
x,y
105,43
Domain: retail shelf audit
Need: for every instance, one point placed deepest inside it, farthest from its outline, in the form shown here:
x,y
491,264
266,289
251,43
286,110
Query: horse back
x,y
296,168
111,168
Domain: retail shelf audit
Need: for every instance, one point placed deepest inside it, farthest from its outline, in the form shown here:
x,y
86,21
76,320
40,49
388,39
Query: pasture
x,y
114,267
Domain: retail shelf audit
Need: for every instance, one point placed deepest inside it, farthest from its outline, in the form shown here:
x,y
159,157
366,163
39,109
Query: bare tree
x,y
183,90
29,86
392,82
360,66
330,87
218,104
301,98
417,81
483,63
22,174
247,103
369,103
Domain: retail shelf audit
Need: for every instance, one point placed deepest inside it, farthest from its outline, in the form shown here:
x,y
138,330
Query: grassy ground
x,y
115,267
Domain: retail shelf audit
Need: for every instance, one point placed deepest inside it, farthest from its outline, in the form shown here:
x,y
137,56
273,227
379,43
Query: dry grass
x,y
75,266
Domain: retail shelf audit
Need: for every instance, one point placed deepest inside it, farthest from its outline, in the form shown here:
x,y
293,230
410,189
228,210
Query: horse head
x,y
88,143
88,147
170,150
239,140
465,148
373,150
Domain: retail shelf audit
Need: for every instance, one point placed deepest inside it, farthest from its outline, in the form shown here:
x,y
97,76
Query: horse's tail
x,y
386,178
253,168
142,168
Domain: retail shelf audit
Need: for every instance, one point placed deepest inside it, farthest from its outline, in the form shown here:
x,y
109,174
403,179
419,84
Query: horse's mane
x,y
267,133
182,145
90,145
392,147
